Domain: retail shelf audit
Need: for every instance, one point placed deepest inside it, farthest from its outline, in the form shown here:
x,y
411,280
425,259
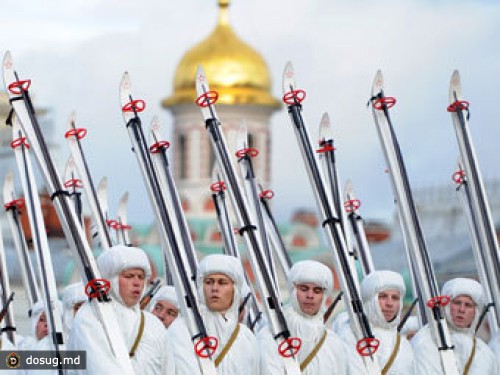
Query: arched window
x,y
209,205
182,156
211,158
185,205
299,241
216,236
251,140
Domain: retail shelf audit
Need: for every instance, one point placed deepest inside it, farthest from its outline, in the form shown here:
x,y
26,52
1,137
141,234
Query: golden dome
x,y
233,68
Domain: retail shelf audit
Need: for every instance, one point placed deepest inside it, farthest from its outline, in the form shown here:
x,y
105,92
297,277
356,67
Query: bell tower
x,y
241,77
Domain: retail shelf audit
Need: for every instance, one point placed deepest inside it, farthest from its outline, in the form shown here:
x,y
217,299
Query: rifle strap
x,y
393,356
471,357
139,336
313,353
228,345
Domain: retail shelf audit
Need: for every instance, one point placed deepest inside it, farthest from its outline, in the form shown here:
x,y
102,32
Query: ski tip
x,y
154,130
8,187
7,60
71,161
325,130
242,136
455,92
216,177
155,124
124,198
349,190
103,184
70,171
378,83
288,78
201,80
125,83
72,120
9,178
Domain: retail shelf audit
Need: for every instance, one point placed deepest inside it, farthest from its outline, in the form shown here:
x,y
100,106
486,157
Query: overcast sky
x,y
76,51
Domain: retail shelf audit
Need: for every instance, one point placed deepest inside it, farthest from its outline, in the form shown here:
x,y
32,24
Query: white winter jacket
x,y
385,332
331,357
153,354
243,356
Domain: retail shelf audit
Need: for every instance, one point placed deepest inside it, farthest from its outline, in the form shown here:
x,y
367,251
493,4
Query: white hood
x,y
165,293
72,294
119,258
468,287
227,265
371,286
310,271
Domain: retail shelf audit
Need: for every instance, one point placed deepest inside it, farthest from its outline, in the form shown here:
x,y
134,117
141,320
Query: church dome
x,y
233,68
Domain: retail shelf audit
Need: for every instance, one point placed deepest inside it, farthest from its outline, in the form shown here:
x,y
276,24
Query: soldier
x,y
462,314
219,279
382,293
494,345
165,306
126,268
310,283
39,339
73,298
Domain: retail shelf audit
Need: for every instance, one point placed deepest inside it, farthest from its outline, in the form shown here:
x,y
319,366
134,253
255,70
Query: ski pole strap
x,y
393,356
471,357
139,336
56,193
228,345
242,230
330,220
313,353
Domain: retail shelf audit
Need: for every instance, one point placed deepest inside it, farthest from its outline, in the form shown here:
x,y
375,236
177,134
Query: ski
x,y
121,227
287,346
273,232
244,156
410,225
218,188
9,327
176,259
327,160
102,198
351,206
161,165
39,235
74,135
367,344
13,208
72,183
18,91
481,224
230,245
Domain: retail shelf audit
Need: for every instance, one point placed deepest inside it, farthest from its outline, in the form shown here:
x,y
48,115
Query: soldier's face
x,y
76,307
166,312
389,301
131,283
42,328
462,311
310,297
219,292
